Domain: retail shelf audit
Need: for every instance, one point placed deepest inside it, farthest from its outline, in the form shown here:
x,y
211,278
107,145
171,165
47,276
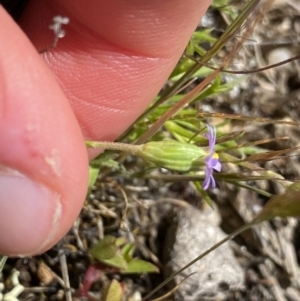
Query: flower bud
x,y
173,155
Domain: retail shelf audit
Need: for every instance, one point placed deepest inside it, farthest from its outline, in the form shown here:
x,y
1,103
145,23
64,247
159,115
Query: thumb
x,y
43,160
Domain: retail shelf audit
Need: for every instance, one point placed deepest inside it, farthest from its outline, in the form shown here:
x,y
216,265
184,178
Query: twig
x,y
65,275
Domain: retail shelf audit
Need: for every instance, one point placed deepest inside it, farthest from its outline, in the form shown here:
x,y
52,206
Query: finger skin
x,y
113,61
36,120
116,55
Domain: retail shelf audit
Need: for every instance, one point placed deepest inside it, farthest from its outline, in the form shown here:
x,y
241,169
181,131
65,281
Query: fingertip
x,y
29,215
43,160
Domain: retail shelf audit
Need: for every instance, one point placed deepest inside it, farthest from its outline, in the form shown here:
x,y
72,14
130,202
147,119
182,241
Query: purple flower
x,y
212,160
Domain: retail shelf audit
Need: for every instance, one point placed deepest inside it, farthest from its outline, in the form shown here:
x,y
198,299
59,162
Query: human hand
x,y
112,62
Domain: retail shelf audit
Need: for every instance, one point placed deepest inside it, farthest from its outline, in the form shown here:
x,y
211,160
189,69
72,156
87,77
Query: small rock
x,y
193,233
278,55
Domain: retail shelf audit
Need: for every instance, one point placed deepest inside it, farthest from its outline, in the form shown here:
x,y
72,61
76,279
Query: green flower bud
x,y
174,155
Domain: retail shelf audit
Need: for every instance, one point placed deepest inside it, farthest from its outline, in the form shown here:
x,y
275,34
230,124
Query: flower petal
x,y
208,175
213,182
212,162
217,166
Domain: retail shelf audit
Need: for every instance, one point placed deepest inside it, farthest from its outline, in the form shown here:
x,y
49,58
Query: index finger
x,y
116,55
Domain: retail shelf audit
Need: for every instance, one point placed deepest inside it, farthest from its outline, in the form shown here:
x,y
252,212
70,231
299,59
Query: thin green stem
x,y
123,147
2,262
261,171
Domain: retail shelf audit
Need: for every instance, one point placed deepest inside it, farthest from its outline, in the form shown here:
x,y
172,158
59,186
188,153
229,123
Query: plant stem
x,y
2,262
123,147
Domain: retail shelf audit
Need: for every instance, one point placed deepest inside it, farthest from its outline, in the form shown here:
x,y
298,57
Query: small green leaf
x,y
93,175
121,241
105,248
113,292
127,251
106,159
117,262
139,266
285,205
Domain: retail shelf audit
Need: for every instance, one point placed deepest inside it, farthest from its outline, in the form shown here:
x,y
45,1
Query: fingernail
x,y
29,214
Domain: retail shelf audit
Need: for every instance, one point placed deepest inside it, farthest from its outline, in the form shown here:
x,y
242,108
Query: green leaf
x,y
2,262
117,262
139,266
105,248
121,241
285,205
113,292
106,159
203,193
93,175
127,251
